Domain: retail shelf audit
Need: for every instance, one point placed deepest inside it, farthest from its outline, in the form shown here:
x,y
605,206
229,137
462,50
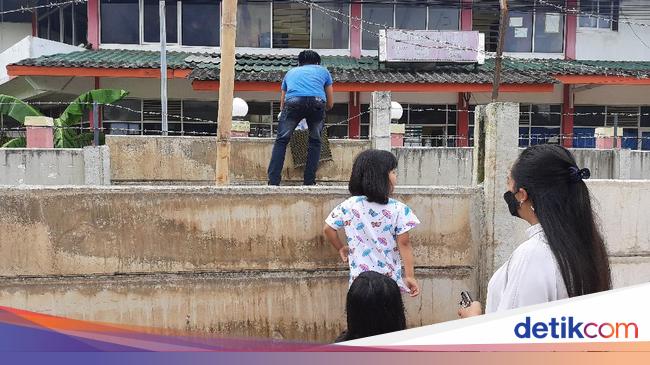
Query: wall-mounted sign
x,y
397,45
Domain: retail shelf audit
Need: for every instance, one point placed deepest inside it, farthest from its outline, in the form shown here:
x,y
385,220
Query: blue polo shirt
x,y
307,80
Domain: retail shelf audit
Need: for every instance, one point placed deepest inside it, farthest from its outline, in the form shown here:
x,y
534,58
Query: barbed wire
x,y
49,5
577,11
449,45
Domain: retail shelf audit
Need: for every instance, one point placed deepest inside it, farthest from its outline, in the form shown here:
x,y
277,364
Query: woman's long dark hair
x,y
370,175
374,306
563,206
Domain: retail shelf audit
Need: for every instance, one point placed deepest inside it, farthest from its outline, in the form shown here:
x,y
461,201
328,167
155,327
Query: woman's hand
x,y
473,310
412,284
344,252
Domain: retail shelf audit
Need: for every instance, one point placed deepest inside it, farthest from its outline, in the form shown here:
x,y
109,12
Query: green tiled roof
x,y
271,68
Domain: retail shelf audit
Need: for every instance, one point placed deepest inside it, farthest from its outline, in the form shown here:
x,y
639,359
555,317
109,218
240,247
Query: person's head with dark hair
x,y
308,57
545,183
373,306
373,175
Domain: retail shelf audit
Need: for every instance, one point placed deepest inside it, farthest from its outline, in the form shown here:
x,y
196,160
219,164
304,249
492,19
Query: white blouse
x,y
530,276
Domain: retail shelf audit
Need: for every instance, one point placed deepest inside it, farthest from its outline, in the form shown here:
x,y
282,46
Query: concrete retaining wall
x,y
242,260
137,159
59,166
640,165
434,166
601,163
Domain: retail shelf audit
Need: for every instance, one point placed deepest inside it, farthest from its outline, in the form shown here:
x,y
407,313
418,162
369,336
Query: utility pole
x,y
226,86
503,20
163,68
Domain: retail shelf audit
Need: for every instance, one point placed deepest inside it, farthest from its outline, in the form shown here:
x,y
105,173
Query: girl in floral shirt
x,y
375,225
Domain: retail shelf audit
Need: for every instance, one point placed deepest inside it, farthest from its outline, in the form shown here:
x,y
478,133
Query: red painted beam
x,y
466,15
571,29
355,30
567,116
602,80
150,73
412,87
354,109
93,23
462,121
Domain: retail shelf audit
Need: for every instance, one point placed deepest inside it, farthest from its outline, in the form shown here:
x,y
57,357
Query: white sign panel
x,y
396,45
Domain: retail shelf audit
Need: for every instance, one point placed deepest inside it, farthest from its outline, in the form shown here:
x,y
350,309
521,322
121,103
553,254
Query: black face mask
x,y
512,202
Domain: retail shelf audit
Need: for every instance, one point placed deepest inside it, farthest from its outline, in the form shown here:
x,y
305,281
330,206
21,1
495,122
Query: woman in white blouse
x,y
565,254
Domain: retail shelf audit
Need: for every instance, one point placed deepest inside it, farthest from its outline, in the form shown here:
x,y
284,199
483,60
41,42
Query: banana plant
x,y
65,136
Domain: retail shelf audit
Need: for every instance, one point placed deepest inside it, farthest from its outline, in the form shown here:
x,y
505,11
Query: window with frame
x,y
599,14
200,22
537,29
67,24
120,21
330,30
253,24
539,124
152,21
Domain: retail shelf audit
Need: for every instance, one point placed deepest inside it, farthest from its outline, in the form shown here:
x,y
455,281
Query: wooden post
x,y
226,86
503,20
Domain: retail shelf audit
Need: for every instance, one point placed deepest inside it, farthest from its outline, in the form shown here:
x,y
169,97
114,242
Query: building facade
x,y
574,65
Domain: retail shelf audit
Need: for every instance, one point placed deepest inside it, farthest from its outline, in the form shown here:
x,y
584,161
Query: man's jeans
x,y
295,109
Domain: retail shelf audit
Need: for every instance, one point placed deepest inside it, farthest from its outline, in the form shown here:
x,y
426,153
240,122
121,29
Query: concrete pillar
x,y
622,164
496,129
40,132
380,120
97,165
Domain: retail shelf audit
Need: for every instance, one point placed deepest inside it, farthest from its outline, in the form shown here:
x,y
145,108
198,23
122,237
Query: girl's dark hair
x,y
374,306
370,175
308,57
563,206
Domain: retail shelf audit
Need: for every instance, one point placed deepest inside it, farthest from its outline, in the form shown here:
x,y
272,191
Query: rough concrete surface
x,y
295,305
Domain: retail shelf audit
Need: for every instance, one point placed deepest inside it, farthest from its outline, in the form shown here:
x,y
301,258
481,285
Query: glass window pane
x,y
593,116
203,110
379,14
410,16
55,26
546,115
549,32
80,24
253,24
123,110
524,114
152,21
605,14
645,116
120,21
519,34
290,25
588,7
443,18
327,32
67,24
42,27
427,114
201,22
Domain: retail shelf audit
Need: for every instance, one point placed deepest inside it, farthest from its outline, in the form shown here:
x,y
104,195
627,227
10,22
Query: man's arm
x,y
329,93
284,93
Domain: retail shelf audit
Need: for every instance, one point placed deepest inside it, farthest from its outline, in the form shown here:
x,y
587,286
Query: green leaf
x,y
19,142
74,112
64,136
16,108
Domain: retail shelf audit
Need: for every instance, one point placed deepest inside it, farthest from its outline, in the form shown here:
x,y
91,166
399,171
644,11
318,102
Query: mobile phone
x,y
465,299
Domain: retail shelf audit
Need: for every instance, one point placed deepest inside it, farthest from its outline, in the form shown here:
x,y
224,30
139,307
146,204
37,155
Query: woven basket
x,y
300,142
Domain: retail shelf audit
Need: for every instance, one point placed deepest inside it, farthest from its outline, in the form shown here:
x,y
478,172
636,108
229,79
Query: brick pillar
x,y
40,132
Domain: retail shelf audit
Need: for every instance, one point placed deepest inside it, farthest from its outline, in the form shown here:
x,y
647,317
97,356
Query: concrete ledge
x,y
295,305
82,230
